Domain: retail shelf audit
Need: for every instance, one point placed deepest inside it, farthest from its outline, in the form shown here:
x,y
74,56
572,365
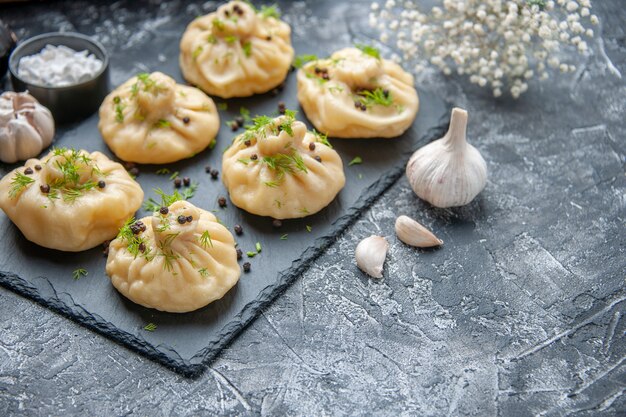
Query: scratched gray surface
x,y
523,316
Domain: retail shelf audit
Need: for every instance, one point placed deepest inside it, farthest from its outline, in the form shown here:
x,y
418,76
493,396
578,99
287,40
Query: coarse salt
x,y
58,66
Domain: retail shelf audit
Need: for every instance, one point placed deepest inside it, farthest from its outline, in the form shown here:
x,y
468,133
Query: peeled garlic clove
x,y
412,233
448,172
370,255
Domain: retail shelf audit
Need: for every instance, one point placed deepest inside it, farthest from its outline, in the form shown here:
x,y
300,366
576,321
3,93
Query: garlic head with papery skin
x,y
26,127
448,172
370,255
412,233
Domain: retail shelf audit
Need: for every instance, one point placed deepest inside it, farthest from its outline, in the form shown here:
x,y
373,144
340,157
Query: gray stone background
x,y
522,316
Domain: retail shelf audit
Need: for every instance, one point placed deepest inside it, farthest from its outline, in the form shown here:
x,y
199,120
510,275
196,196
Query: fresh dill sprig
x,y
269,11
190,191
284,237
166,200
303,59
379,96
71,163
145,83
166,251
174,175
218,24
150,327
162,124
222,106
135,243
369,50
251,254
211,39
309,228
196,52
355,161
322,138
213,143
119,109
231,38
203,272
163,171
258,248
247,48
205,240
19,183
80,272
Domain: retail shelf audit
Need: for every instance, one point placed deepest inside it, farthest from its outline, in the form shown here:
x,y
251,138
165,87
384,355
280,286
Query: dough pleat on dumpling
x,y
175,261
357,94
70,200
279,169
236,51
150,119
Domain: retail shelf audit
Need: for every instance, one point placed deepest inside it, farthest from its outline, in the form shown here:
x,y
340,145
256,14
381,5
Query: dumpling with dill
x,y
279,169
177,260
237,51
150,119
70,200
355,93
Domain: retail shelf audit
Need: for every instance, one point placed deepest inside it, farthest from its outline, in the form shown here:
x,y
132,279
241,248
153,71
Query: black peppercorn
x,y
142,226
363,107
277,223
318,158
187,181
45,188
312,146
317,70
240,121
325,76
281,107
357,104
214,174
268,38
142,247
181,219
254,157
246,267
28,171
247,142
234,126
189,219
101,184
207,169
164,210
239,254
178,182
38,167
134,171
185,120
386,93
221,201
238,229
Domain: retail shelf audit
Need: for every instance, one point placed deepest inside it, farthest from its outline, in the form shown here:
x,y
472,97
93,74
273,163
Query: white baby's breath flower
x,y
496,43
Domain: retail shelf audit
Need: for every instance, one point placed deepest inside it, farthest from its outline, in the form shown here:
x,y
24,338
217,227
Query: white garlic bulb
x,y
370,255
412,233
26,127
448,172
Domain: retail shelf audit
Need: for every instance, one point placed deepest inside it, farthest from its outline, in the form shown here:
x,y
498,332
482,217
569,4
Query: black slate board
x,y
186,342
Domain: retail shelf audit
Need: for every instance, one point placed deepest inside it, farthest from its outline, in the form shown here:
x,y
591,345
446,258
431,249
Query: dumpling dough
x,y
160,263
152,120
236,52
354,94
70,200
279,169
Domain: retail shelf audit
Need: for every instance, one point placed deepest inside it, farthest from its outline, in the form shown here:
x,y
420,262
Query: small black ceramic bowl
x,y
67,103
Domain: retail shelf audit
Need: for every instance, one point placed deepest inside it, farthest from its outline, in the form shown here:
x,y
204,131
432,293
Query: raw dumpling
x,y
279,169
152,120
69,200
179,259
357,94
236,51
